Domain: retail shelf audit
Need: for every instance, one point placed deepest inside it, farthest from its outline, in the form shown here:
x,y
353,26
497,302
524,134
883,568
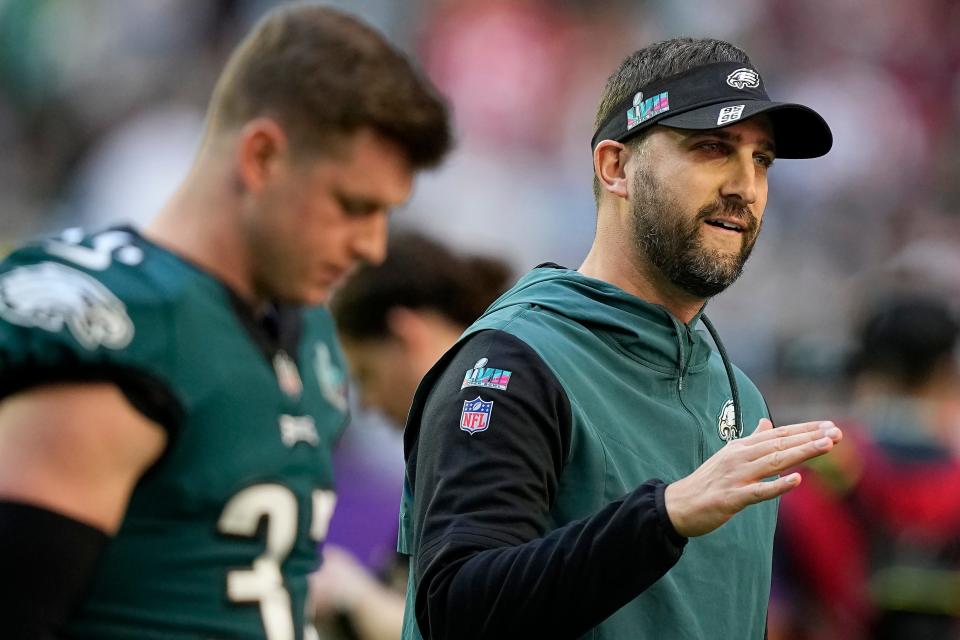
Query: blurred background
x,y
102,104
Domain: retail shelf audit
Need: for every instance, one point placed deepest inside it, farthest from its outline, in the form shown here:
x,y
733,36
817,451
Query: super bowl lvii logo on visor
x,y
643,110
476,415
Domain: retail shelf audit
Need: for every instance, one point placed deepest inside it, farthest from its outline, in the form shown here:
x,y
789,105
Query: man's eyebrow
x,y
766,143
362,201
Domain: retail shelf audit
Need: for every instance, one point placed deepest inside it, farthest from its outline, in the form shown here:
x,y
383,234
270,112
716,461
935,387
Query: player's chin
x,y
304,293
315,296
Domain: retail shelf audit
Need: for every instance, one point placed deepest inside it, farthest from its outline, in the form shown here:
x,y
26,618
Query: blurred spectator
x,y
397,319
869,544
394,320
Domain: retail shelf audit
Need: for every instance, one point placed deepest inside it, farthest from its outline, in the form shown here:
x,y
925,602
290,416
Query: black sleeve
x,y
47,563
488,564
148,395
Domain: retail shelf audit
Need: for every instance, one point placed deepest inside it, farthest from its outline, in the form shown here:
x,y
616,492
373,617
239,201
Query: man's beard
x,y
671,241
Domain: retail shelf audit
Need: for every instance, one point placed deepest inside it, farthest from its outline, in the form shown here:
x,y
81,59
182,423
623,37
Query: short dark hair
x,y
659,60
324,74
422,274
905,338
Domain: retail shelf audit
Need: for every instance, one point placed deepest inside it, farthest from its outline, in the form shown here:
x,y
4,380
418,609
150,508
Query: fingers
x,y
764,425
785,443
761,434
760,491
733,477
781,460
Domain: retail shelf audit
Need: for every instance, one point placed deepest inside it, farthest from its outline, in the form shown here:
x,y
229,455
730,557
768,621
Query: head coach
x,y
584,463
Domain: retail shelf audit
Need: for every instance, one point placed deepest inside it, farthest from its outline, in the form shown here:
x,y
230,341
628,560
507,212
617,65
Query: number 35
x,y
263,582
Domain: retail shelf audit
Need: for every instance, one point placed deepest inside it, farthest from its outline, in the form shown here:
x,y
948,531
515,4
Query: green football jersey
x,y
221,532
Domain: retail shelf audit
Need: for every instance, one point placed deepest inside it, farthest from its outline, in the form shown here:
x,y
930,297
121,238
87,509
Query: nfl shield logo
x,y
476,415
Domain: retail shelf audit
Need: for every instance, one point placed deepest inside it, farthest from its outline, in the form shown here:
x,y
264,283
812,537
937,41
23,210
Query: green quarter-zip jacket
x,y
538,450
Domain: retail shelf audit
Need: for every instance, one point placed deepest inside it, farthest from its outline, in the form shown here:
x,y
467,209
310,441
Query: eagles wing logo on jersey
x,y
49,295
727,422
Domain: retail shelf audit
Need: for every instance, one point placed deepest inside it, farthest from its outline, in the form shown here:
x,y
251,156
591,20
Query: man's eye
x,y
713,147
355,207
764,160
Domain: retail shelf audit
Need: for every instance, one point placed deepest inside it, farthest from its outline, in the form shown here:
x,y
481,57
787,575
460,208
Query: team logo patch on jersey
x,y
51,296
294,429
331,378
643,110
727,422
744,78
483,376
476,415
730,114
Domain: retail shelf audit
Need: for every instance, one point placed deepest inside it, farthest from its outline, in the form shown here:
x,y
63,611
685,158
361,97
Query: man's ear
x,y
262,144
609,165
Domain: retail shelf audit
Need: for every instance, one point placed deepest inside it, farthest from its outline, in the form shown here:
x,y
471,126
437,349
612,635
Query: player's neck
x,y
199,222
613,258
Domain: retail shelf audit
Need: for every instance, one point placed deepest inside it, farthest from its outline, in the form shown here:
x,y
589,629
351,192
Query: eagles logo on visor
x,y
713,96
744,78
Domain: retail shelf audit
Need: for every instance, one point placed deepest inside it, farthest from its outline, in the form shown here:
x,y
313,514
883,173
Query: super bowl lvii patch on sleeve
x,y
486,377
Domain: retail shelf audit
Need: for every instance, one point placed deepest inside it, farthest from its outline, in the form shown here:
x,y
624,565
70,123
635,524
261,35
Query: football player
x,y
170,396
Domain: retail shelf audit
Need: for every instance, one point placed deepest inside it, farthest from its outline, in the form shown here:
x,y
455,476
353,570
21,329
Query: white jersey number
x,y
263,582
107,246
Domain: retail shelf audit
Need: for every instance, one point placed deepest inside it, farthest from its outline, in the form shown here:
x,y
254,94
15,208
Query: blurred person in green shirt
x,y
394,321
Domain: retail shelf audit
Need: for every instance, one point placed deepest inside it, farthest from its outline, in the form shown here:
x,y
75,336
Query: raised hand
x,y
733,478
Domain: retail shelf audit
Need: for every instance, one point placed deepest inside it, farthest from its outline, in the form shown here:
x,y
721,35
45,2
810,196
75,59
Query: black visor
x,y
714,96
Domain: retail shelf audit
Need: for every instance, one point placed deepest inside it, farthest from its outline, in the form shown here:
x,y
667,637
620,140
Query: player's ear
x,y
609,165
263,143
